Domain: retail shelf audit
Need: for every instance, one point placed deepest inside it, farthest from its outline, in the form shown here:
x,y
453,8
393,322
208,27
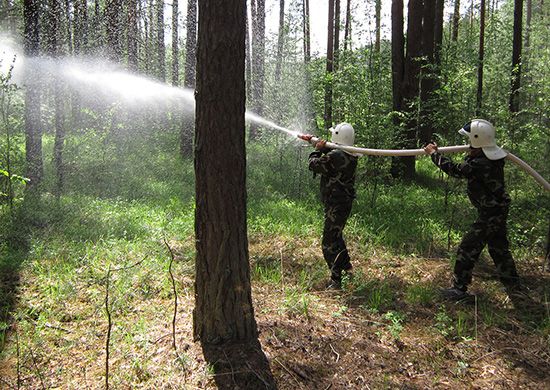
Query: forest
x,y
161,226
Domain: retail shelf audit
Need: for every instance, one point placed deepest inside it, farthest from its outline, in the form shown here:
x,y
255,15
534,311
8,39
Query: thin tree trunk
x,y
307,50
516,57
280,41
132,35
33,132
191,44
175,44
438,30
377,6
248,59
480,58
527,44
456,21
161,49
329,66
410,83
53,41
80,26
336,34
187,126
347,29
398,53
258,61
114,29
69,27
428,76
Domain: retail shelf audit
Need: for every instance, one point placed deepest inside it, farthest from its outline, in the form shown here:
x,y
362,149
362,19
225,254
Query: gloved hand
x,y
320,145
431,148
305,137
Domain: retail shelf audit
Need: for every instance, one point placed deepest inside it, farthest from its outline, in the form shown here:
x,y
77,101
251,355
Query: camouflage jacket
x,y
337,170
485,179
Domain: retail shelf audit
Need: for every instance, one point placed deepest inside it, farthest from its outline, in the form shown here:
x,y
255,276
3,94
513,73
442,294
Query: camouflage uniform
x,y
337,170
487,193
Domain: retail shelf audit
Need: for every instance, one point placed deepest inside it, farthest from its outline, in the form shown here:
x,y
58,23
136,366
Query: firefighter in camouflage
x,y
337,170
484,169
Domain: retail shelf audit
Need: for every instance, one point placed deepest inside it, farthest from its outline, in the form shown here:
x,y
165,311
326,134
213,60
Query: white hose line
x,y
523,165
420,152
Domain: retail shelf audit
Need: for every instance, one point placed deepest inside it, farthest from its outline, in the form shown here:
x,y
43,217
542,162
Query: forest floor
x,y
386,329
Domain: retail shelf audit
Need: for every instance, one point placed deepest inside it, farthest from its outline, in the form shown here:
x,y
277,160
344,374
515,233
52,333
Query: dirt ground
x,y
370,335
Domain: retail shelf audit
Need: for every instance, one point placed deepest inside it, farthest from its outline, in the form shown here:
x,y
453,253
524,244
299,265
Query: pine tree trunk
x,y
258,61
456,21
175,44
53,42
223,303
438,30
187,127
33,132
113,10
516,57
329,66
410,85
280,41
132,35
428,76
377,8
479,98
347,29
161,49
336,34
80,26
398,53
307,38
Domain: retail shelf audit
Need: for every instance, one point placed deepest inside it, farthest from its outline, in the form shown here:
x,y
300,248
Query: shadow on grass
x,y
239,366
14,249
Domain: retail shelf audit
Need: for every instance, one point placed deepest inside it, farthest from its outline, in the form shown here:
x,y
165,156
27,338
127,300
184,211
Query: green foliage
x,y
395,323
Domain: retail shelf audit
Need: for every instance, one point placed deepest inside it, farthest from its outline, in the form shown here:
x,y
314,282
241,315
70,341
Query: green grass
x,y
62,248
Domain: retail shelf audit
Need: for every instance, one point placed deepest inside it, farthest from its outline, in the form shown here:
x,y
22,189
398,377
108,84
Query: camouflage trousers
x,y
488,229
334,247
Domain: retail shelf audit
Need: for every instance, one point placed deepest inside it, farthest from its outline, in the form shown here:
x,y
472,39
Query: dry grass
x,y
381,331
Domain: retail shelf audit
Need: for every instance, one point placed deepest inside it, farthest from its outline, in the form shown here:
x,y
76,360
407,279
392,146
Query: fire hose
x,y
420,152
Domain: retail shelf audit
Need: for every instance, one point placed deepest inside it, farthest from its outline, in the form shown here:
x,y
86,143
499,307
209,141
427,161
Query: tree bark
x,y
428,75
223,302
307,38
516,57
175,44
191,44
398,53
258,61
133,34
336,34
113,10
480,58
80,26
187,128
329,66
33,132
377,8
438,30
161,49
410,87
456,21
347,29
53,44
280,41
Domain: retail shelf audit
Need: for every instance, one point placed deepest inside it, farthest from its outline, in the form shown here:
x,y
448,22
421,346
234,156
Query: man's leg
x,y
334,247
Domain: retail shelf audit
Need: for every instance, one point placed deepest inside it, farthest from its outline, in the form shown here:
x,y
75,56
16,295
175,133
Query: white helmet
x,y
481,134
343,134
